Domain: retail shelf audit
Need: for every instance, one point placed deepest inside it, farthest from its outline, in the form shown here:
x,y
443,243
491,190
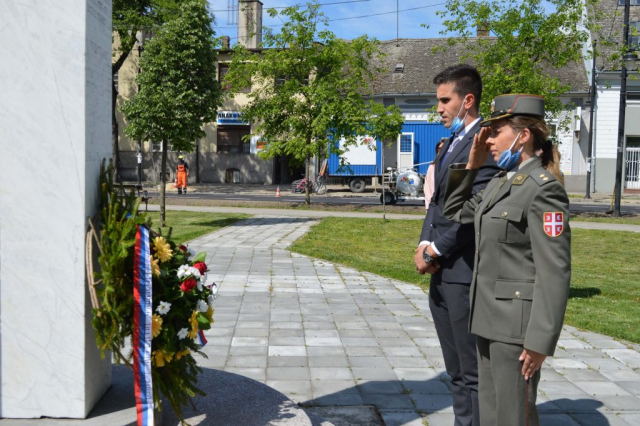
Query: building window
x,y
388,102
281,80
230,140
405,143
634,34
223,69
631,2
157,146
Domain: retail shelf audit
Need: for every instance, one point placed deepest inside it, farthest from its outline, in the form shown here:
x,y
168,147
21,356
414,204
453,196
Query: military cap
x,y
505,106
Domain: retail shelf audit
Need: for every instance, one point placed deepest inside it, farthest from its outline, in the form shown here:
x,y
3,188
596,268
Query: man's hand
x,y
479,150
423,267
531,362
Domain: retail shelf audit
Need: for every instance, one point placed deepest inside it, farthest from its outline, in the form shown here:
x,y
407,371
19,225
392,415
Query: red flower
x,y
183,248
188,285
201,267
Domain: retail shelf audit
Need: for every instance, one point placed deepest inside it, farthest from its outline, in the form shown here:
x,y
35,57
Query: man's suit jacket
x,y
523,254
453,240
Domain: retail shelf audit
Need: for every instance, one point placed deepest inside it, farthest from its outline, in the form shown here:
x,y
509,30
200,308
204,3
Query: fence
x,y
632,168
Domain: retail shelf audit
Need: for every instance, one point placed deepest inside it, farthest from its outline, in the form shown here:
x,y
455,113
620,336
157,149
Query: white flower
x,y
199,285
163,308
202,306
183,333
210,300
183,271
193,271
190,252
214,290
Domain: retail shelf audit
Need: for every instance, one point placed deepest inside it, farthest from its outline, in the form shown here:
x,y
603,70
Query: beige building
x,y
221,156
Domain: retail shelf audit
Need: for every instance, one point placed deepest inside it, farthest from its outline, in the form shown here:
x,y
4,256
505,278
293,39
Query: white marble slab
x,y
54,131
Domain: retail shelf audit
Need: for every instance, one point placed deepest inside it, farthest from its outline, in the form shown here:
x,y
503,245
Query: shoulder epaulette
x,y
541,176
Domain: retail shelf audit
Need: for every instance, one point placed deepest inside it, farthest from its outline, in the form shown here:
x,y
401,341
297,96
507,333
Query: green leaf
x,y
200,257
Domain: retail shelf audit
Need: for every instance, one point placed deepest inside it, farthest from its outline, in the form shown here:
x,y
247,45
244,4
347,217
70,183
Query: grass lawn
x,y
189,225
605,290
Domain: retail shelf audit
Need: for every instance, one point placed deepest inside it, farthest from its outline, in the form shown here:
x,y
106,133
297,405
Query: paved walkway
x,y
324,334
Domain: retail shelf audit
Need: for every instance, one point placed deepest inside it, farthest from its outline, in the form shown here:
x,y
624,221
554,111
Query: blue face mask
x,y
458,123
508,159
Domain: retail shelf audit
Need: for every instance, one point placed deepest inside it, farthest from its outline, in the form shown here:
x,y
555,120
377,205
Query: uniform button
x,y
504,214
518,294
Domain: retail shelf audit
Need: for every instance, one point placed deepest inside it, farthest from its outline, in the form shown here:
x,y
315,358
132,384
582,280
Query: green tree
x,y
528,39
309,88
179,91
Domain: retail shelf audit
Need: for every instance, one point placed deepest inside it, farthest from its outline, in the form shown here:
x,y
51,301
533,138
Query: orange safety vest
x,y
181,168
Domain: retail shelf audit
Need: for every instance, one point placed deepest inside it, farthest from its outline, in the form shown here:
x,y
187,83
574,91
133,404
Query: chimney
x,y
226,42
250,23
483,29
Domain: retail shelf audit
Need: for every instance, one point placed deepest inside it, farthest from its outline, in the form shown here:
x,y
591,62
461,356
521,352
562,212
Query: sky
x,y
382,26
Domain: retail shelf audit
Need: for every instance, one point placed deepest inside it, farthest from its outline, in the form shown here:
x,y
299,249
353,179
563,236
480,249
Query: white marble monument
x,y
55,127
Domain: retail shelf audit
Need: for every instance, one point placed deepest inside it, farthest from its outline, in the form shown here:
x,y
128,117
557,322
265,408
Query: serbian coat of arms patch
x,y
553,223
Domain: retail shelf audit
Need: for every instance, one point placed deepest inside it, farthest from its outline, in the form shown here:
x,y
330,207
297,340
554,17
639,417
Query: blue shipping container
x,y
362,161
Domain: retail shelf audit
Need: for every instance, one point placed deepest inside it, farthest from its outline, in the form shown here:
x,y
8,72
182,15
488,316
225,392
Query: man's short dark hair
x,y
466,80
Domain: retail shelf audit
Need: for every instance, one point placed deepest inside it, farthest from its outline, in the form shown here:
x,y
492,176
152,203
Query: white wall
x,y
606,136
54,131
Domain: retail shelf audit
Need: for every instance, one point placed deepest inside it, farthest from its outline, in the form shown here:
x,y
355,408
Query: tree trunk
x,y
307,190
114,131
163,182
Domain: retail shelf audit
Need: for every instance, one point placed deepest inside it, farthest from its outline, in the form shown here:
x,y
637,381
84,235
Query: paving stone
x,y
431,386
329,361
560,388
258,374
620,402
376,386
286,341
579,375
631,387
599,419
287,351
599,389
331,373
403,373
287,361
385,401
557,420
248,350
325,351
249,341
403,352
247,361
408,362
288,373
432,403
354,351
323,341
405,418
329,387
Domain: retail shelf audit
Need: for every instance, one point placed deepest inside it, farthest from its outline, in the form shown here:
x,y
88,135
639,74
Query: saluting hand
x,y
479,150
531,362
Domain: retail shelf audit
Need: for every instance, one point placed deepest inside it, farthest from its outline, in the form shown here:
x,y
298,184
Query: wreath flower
x,y
188,285
156,325
163,249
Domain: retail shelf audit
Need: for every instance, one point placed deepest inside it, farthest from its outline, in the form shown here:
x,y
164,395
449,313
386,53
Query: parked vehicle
x,y
363,162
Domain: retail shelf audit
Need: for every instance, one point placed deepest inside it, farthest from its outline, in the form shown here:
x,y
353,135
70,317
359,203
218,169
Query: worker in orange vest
x,y
182,172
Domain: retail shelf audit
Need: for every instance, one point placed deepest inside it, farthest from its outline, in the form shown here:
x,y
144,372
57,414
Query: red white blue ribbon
x,y
203,340
142,314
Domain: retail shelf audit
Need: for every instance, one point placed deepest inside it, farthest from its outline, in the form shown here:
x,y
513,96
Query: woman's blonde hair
x,y
549,155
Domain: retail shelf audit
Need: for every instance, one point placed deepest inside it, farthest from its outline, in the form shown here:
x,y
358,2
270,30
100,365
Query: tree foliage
x,y
179,91
309,88
529,40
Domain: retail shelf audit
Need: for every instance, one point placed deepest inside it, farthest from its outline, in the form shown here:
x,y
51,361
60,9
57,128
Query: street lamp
x,y
140,37
629,61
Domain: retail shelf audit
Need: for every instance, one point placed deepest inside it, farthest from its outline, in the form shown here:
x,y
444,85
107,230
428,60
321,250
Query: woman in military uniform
x,y
523,260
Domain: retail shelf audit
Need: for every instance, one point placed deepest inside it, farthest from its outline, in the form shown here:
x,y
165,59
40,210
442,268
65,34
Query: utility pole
x,y
623,105
591,122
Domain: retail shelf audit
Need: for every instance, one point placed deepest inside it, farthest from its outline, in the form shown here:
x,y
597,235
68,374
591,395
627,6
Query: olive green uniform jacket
x,y
522,266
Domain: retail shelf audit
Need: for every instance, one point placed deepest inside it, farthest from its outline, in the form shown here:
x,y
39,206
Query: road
x,y
369,199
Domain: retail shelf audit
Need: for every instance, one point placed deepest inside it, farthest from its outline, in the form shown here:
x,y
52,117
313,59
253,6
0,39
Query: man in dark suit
x,y
446,248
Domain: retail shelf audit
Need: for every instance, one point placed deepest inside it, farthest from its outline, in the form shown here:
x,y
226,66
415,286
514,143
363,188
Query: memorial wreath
x,y
181,301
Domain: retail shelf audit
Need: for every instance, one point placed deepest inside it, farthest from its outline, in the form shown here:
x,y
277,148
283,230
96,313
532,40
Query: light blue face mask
x,y
458,123
508,159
